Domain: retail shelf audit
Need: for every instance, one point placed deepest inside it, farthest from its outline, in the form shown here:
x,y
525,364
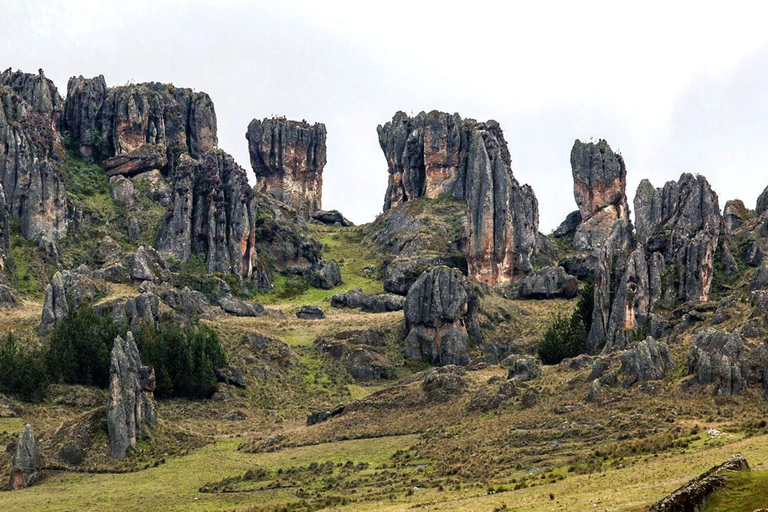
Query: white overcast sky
x,y
675,86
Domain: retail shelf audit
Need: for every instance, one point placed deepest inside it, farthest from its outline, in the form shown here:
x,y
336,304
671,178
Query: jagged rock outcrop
x,y
599,187
361,352
68,289
695,494
327,277
375,303
288,158
25,460
238,307
136,128
131,405
212,215
437,154
435,318
762,202
727,361
332,218
5,230
548,283
682,221
523,368
735,214
30,155
648,360
569,225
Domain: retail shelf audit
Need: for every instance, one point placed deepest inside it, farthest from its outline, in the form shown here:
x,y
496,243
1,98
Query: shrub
x,y
184,359
84,179
80,348
194,273
567,337
22,373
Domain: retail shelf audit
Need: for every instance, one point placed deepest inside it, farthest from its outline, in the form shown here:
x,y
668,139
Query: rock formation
x,y
25,460
137,127
375,303
435,323
695,494
212,215
735,214
648,360
599,187
437,154
288,158
548,283
332,218
327,277
131,404
361,351
68,289
30,155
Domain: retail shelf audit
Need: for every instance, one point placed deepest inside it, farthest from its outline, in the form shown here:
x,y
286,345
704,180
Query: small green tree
x,y
567,337
80,348
22,373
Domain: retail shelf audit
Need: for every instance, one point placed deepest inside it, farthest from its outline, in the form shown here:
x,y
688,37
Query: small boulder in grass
x,y
310,313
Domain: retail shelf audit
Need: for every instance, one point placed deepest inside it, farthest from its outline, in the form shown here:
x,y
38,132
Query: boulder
x,y
271,350
378,303
648,360
491,397
523,368
735,214
288,158
435,318
595,391
441,155
123,190
25,460
141,269
695,494
332,218
231,376
131,404
548,283
237,307
329,276
310,313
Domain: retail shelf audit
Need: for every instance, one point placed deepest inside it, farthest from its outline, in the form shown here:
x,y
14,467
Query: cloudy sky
x,y
676,88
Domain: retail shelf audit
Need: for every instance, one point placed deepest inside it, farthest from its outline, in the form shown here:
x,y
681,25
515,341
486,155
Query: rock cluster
x,y
727,361
137,127
131,404
25,460
548,283
648,360
68,289
212,215
375,303
695,494
361,352
31,153
437,154
436,311
288,158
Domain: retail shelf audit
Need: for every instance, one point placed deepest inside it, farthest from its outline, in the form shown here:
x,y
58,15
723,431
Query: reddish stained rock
x,y
436,155
288,158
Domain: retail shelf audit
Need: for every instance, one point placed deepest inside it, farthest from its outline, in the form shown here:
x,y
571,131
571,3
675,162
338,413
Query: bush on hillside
x,y
22,373
567,337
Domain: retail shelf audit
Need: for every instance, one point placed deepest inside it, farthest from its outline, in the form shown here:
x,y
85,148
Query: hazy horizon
x,y
671,97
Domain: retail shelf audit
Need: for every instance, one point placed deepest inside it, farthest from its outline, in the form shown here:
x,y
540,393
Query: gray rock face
x,y
435,311
437,154
648,360
548,283
141,270
30,156
68,288
131,404
329,276
735,215
569,225
122,190
599,183
695,494
332,218
376,303
762,202
288,158
25,460
212,215
724,359
5,230
595,391
138,127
